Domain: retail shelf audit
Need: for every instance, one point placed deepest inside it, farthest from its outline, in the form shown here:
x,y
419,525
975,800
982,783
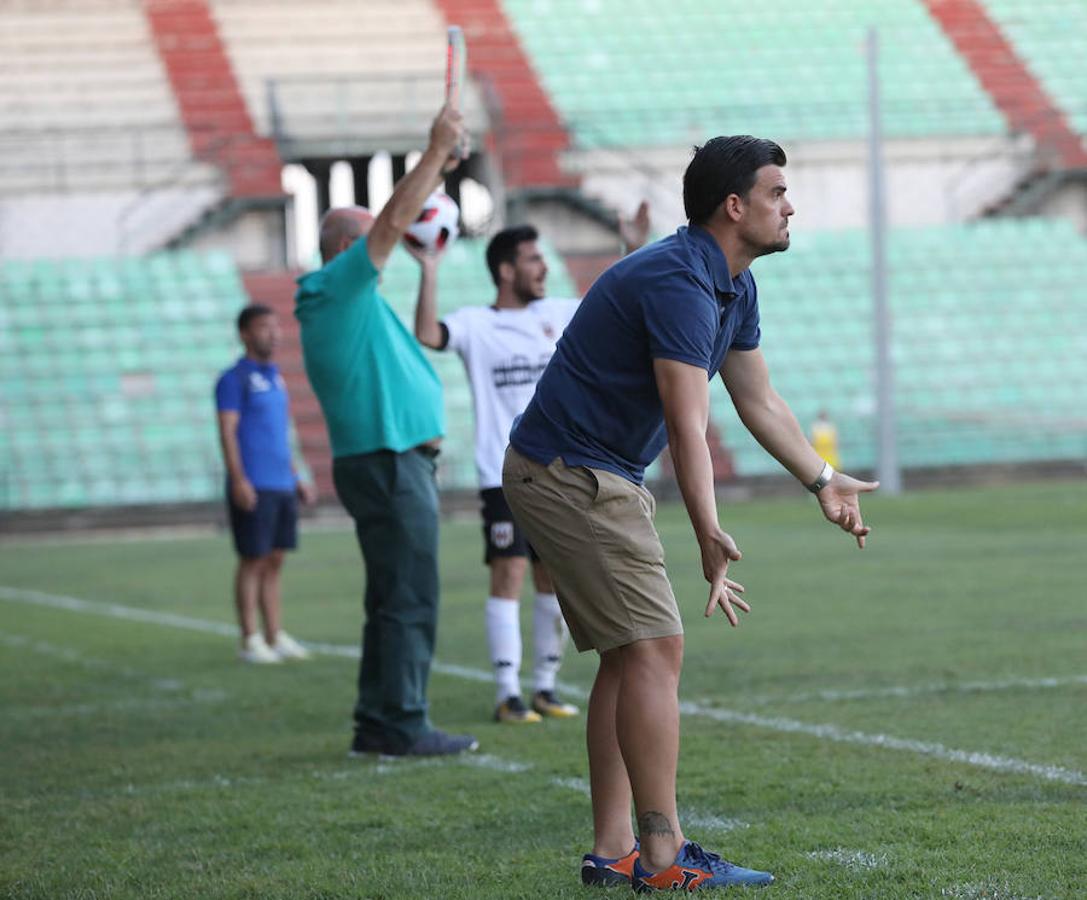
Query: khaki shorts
x,y
594,531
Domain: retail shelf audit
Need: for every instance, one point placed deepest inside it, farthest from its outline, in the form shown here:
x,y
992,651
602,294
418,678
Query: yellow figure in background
x,y
824,438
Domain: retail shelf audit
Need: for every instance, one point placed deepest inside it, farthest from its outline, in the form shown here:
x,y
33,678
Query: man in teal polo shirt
x,y
382,402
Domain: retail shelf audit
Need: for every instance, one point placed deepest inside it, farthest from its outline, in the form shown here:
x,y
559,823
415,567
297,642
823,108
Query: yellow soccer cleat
x,y
546,704
513,711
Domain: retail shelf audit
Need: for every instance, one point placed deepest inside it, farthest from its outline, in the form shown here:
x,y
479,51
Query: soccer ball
x,y
436,228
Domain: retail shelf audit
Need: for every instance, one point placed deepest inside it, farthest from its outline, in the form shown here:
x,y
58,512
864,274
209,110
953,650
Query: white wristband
x,y
824,478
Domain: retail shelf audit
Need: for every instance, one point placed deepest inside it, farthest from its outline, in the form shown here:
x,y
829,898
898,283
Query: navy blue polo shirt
x,y
597,403
257,393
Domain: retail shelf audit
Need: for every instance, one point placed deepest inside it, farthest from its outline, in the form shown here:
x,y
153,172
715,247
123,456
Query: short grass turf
x,y
144,761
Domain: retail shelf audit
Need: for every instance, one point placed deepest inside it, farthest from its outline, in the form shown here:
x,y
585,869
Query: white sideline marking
x,y
988,890
116,611
790,726
574,784
388,765
496,763
850,859
920,690
451,669
924,748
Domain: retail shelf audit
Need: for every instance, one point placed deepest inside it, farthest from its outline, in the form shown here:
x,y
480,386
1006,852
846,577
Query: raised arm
x,y
772,423
410,194
428,330
684,393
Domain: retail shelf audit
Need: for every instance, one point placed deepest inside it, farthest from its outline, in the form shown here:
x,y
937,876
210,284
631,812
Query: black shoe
x,y
365,743
438,743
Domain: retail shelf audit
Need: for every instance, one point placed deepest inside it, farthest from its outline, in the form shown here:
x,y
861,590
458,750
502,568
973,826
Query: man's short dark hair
x,y
503,246
251,312
723,166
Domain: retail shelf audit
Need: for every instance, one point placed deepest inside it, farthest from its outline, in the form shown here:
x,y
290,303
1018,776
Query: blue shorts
x,y
272,525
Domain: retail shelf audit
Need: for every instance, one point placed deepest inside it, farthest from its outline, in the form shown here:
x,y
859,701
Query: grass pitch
x,y
906,721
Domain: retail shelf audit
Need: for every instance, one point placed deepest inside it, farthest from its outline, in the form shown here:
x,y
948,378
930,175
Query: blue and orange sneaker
x,y
604,872
693,870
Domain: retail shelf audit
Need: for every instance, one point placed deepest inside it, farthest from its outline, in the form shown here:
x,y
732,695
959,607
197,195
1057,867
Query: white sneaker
x,y
288,648
256,650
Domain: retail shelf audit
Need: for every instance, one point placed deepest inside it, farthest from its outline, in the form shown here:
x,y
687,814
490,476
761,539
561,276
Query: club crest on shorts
x,y
502,534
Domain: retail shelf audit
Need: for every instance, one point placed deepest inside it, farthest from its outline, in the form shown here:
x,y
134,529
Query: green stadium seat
x,y
585,54
984,374
1052,40
73,437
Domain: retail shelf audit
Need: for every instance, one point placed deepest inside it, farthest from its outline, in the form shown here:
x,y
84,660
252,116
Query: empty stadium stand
x,y
129,124
107,368
528,136
211,105
1051,37
84,100
990,343
1020,95
106,374
346,77
636,73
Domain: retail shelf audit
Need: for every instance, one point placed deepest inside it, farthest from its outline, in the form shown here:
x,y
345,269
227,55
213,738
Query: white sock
x,y
504,642
549,636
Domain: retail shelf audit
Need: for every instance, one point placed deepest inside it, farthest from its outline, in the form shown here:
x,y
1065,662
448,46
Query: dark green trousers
x,y
393,499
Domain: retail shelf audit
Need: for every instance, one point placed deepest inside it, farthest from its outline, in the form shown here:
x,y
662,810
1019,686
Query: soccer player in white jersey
x,y
505,348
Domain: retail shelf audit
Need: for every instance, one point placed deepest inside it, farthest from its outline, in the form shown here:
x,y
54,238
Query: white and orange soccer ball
x,y
436,228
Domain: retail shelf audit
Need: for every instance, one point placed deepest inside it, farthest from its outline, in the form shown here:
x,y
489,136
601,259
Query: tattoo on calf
x,y
653,822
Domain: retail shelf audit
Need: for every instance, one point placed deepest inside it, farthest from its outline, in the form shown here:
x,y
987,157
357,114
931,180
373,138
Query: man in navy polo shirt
x,y
254,429
631,374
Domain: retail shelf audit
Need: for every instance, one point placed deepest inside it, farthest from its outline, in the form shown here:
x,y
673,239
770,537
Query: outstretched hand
x,y
426,257
717,552
840,500
634,232
447,135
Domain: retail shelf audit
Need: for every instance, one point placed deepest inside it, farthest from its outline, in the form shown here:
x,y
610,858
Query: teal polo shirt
x,y
376,388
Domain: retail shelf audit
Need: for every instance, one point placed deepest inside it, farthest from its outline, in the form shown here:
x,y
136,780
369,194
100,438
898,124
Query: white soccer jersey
x,y
504,353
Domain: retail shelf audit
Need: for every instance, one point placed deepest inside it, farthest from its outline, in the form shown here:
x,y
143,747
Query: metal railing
x,y
355,114
74,157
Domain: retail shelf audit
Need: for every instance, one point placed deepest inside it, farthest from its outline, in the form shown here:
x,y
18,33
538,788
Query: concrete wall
x,y
929,181
1068,202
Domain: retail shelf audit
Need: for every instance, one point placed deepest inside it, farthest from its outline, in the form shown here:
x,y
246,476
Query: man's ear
x,y
506,271
733,207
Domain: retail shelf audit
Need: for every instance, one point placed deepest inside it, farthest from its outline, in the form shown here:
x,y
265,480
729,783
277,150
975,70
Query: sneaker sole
x,y
557,714
643,888
606,878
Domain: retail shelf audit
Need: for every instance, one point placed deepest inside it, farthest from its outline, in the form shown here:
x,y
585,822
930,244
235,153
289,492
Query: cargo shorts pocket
x,y
622,513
